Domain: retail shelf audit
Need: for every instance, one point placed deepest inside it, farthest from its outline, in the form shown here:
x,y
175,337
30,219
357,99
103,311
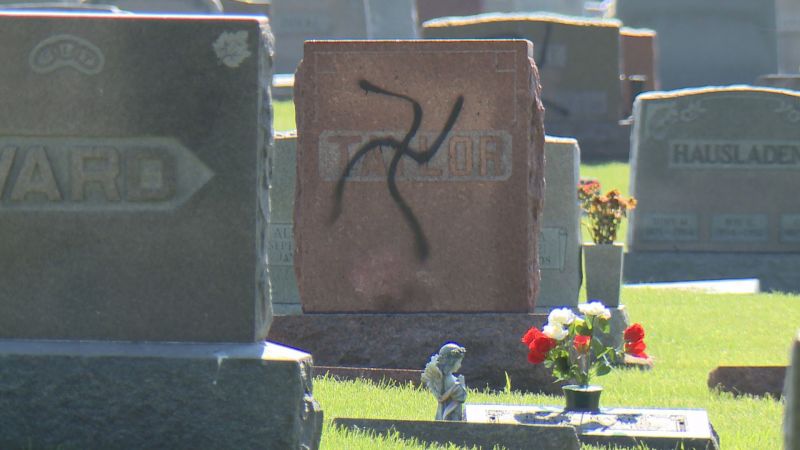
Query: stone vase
x,y
582,398
603,271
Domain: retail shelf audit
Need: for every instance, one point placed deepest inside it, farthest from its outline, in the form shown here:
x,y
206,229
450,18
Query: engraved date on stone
x,y
739,228
667,227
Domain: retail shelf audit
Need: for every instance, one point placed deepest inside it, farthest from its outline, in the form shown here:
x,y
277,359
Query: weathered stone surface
x,y
492,342
780,81
695,39
692,147
464,434
251,7
374,374
457,234
639,64
164,6
578,60
570,7
134,202
156,395
688,429
791,418
749,380
280,229
560,235
431,9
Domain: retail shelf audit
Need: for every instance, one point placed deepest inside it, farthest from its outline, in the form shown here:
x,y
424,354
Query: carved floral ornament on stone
x,y
571,345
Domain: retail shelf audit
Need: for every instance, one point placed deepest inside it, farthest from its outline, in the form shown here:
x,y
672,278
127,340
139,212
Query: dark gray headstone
x,y
133,198
703,43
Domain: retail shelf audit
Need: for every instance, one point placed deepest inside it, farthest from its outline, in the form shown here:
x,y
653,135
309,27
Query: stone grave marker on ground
x,y
134,213
579,65
703,161
296,21
468,269
560,235
280,230
791,390
639,64
253,7
703,43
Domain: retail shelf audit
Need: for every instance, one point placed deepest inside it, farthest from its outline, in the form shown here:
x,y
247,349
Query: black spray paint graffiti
x,y
401,149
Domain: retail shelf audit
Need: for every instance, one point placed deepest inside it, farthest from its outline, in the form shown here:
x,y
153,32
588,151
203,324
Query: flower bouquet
x,y
570,345
605,212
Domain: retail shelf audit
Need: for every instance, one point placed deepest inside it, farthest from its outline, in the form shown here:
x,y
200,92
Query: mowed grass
x,y
688,333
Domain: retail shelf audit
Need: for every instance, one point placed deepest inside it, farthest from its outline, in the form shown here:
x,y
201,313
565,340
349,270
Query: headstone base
x,y
406,341
464,434
775,271
91,394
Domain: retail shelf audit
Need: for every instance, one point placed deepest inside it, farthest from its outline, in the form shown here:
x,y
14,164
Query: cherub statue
x,y
450,391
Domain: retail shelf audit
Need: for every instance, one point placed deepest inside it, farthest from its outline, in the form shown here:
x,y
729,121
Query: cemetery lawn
x,y
688,333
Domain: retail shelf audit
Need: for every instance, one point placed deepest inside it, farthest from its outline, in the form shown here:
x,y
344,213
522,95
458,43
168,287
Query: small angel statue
x,y
450,391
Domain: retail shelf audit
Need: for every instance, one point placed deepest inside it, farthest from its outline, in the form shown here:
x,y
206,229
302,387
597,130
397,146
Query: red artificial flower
x,y
543,344
530,335
535,357
581,343
636,348
634,333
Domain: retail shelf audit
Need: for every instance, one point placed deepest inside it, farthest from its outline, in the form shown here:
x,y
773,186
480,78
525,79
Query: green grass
x,y
688,333
284,115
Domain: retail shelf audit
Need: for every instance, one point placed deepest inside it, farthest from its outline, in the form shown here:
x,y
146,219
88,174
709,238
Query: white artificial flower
x,y
595,309
554,332
561,316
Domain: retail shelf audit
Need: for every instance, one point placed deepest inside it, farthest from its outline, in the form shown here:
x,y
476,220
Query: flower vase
x,y
603,270
582,398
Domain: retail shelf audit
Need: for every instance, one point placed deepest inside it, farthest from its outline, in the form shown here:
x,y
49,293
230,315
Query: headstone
x,y
703,43
690,149
560,235
164,6
134,203
780,81
439,220
791,418
280,229
124,184
689,429
431,9
578,62
788,26
639,68
392,19
296,21
569,7
748,380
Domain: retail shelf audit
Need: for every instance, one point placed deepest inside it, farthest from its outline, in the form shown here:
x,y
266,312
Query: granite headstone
x,y
164,6
703,43
245,7
134,206
560,235
280,229
786,81
392,19
788,25
126,182
419,176
712,170
579,63
639,64
431,9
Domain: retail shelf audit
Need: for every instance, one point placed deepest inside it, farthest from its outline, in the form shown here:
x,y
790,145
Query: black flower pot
x,y
582,398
